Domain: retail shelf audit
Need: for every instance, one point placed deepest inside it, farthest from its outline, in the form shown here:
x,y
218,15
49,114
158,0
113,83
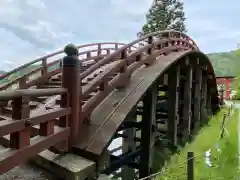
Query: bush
x,y
237,96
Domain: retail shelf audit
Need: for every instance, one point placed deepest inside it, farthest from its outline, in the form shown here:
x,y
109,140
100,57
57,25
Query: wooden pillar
x,y
71,81
209,100
20,110
187,115
197,97
204,96
227,88
173,98
129,145
45,67
147,135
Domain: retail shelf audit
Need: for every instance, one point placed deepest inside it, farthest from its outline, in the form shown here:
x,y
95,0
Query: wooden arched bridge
x,y
158,87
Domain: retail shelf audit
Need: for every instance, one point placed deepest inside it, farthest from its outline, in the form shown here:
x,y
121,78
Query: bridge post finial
x,y
71,50
71,81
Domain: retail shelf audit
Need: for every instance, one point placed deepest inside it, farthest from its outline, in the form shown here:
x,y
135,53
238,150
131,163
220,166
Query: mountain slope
x,y
225,63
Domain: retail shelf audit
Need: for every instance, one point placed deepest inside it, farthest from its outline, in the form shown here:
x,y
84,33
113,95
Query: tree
x,y
165,15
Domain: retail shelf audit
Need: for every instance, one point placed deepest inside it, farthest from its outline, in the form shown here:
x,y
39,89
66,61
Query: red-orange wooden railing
x,y
17,129
75,104
42,70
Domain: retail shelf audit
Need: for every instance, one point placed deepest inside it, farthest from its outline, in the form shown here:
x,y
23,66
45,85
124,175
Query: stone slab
x,y
66,166
103,177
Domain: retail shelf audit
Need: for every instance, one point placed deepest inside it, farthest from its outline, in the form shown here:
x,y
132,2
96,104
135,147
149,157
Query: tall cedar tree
x,y
165,15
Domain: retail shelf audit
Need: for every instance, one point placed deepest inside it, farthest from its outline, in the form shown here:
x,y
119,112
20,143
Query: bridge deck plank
x,y
109,115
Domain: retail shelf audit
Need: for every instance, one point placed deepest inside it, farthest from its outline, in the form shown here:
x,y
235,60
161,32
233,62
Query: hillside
x,y
224,63
22,72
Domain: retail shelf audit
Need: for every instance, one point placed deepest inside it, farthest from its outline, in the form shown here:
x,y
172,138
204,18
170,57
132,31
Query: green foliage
x,y
225,163
225,63
236,86
165,14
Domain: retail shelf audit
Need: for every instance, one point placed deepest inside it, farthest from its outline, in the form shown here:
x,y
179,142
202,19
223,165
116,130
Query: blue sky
x,y
31,28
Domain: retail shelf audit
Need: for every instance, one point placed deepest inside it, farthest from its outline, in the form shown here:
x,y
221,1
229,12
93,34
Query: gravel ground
x,y
26,172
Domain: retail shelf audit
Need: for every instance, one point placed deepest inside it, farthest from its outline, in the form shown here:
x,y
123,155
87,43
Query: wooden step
x,y
7,110
163,88
89,96
57,83
56,79
160,98
47,86
40,99
161,121
33,104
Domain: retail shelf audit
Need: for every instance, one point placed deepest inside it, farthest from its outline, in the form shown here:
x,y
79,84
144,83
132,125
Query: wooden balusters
x,y
47,128
88,54
23,83
124,77
116,46
20,110
103,86
45,67
150,41
149,52
108,51
99,52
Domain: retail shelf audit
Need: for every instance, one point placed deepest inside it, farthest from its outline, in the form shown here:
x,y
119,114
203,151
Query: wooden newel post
x,y
190,166
71,81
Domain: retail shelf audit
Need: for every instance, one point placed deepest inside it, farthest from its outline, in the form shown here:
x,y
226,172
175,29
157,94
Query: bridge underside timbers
x,y
173,107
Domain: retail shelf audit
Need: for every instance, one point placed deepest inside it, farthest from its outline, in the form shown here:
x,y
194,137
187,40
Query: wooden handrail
x,y
10,125
132,62
8,95
51,55
125,47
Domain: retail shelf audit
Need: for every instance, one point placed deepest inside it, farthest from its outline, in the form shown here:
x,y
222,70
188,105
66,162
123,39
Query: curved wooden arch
x,y
108,118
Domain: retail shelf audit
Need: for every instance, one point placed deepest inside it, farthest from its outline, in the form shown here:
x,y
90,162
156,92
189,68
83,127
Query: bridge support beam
x,y
129,145
204,96
187,114
197,96
173,98
147,132
209,101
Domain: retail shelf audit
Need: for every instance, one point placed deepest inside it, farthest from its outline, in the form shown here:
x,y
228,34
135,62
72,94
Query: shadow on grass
x,y
162,154
163,151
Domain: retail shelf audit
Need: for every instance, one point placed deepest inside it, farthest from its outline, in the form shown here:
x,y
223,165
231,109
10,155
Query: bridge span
x,y
70,110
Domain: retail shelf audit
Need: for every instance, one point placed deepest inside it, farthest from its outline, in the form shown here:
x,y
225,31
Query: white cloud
x,y
36,3
29,28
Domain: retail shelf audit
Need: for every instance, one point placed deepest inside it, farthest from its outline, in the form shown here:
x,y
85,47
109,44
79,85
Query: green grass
x,y
224,163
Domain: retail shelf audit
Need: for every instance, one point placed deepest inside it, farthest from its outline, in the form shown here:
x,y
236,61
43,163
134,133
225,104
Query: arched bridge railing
x,y
59,127
26,75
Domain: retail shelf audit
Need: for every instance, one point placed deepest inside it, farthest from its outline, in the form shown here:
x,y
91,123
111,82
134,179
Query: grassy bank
x,y
224,162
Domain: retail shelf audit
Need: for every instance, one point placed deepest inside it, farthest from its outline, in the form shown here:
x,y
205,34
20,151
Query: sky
x,y
32,28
